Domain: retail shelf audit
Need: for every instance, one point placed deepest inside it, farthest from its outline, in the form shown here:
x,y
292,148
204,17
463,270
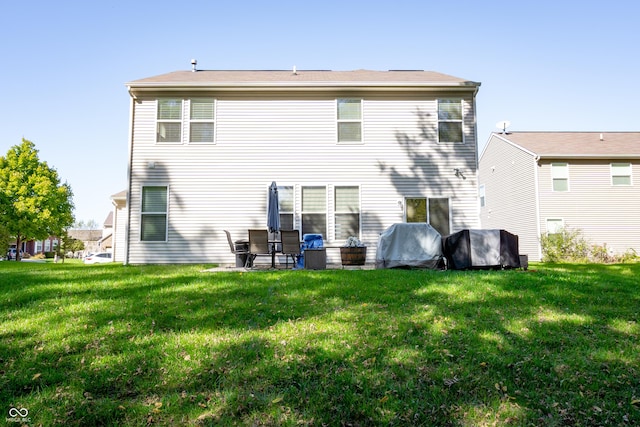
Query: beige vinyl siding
x,y
119,228
604,212
508,173
292,140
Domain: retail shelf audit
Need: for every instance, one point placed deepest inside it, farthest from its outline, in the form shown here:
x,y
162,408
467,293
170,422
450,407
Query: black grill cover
x,y
481,249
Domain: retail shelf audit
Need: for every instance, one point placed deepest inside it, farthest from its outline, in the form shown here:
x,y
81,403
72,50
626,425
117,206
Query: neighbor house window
x,y
314,210
169,120
555,225
285,200
482,194
349,120
434,211
201,120
347,212
621,173
560,176
153,219
450,120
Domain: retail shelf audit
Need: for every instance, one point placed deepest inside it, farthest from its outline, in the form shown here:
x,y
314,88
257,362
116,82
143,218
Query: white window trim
x,y
327,206
214,121
566,168
450,214
332,231
546,223
180,121
361,121
450,121
166,224
293,201
630,175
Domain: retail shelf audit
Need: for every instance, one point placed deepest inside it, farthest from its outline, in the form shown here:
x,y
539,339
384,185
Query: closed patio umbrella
x,y
273,211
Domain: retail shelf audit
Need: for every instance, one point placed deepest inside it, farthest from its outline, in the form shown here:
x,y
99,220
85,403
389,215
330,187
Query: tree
x,y
33,203
70,244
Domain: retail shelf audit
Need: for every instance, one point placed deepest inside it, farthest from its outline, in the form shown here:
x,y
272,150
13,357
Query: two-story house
x,y
352,152
533,183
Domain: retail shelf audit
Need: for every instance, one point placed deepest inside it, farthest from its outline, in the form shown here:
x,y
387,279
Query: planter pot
x,y
353,256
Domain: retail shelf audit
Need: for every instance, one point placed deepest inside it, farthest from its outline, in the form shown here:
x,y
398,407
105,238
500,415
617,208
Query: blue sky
x,y
543,65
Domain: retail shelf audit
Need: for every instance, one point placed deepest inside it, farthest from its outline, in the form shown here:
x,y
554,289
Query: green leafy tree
x,y
69,244
33,202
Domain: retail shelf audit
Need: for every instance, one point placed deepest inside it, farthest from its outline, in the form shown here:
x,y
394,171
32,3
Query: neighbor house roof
x,y
301,79
577,144
86,235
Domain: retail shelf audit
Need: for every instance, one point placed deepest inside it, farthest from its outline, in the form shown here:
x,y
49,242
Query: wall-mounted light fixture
x,y
400,205
459,173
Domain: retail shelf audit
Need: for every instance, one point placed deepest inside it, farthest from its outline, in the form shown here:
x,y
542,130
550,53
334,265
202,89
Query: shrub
x,y
569,245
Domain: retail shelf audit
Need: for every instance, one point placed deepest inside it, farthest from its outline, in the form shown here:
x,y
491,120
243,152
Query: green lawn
x,y
173,345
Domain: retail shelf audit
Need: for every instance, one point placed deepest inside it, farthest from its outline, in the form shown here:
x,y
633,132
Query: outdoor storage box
x,y
315,259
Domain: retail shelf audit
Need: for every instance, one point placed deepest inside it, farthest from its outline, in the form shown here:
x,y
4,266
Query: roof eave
x,y
588,156
297,86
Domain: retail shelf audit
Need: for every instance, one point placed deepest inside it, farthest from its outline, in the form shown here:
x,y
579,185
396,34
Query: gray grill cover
x,y
412,245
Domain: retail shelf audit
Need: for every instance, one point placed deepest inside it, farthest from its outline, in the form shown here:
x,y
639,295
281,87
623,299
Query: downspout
x,y
536,159
475,132
129,166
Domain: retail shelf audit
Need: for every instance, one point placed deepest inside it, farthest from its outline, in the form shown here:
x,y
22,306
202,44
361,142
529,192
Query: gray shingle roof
x,y
578,144
308,78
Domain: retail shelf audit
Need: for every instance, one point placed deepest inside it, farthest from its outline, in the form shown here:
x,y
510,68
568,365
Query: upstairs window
x,y
347,212
153,219
349,120
450,120
201,124
169,117
314,210
620,173
560,176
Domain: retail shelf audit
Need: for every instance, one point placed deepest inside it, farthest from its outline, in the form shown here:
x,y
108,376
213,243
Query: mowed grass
x,y
174,345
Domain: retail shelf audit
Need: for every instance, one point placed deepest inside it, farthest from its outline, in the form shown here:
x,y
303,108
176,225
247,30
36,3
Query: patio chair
x,y
258,245
239,247
290,245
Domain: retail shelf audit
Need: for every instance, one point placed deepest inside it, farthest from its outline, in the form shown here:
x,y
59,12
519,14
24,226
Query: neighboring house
x,y
34,247
106,241
533,183
352,152
90,238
